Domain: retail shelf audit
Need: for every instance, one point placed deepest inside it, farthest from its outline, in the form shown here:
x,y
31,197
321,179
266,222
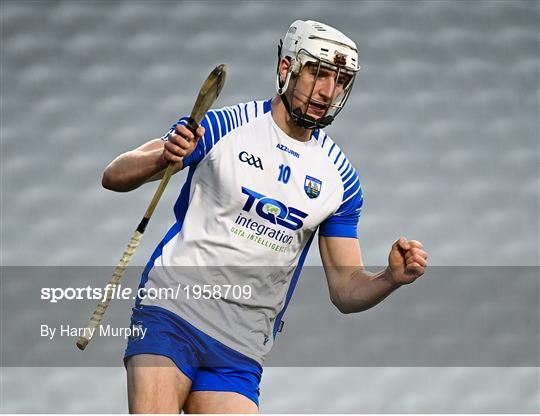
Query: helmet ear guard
x,y
294,67
281,87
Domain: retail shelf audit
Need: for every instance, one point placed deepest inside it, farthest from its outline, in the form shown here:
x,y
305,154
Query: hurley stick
x,y
207,96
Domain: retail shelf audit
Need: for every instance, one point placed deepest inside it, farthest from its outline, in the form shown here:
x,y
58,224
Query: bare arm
x,y
131,169
149,161
352,288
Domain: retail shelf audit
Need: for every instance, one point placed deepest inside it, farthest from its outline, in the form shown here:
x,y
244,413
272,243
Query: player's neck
x,y
284,121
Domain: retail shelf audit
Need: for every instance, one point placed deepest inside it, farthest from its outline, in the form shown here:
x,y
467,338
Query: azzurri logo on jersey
x,y
287,150
312,186
251,160
273,210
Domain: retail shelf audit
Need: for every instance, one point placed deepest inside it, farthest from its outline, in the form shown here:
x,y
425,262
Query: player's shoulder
x,y
345,173
234,116
222,122
333,153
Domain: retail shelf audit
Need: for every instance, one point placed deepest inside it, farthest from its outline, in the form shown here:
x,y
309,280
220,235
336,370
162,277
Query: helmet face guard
x,y
343,78
310,45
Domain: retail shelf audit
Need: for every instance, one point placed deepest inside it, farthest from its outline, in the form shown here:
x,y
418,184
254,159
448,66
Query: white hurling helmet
x,y
317,44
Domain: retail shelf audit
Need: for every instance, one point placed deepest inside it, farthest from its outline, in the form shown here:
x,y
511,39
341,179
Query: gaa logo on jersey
x,y
312,186
251,160
273,210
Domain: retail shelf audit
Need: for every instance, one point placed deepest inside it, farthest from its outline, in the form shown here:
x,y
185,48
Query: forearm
x,y
363,290
132,169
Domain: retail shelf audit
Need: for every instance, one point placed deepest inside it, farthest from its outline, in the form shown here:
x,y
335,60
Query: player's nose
x,y
327,87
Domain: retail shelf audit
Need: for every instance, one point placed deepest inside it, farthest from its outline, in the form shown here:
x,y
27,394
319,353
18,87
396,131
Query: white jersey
x,y
252,202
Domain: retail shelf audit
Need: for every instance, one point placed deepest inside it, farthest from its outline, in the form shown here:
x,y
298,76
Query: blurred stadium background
x,y
443,128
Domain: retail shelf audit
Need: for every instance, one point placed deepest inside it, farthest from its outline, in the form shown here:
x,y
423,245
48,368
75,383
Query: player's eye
x,y
343,80
314,70
325,73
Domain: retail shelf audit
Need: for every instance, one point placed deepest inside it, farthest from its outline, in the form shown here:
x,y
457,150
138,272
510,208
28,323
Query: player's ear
x,y
284,66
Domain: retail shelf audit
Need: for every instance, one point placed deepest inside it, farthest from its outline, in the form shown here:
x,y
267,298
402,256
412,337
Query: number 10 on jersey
x,y
284,173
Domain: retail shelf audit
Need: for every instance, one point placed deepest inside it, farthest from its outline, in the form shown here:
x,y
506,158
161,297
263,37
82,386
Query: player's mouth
x,y
317,108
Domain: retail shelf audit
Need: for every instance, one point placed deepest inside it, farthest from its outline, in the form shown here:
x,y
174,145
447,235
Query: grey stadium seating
x,y
442,126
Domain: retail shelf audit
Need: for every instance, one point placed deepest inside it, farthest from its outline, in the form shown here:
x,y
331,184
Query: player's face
x,y
317,88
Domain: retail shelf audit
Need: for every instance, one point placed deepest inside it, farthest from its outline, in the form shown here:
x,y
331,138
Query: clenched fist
x,y
407,261
181,143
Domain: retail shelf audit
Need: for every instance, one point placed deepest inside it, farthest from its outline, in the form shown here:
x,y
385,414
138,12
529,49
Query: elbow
x,y
347,306
339,302
107,181
343,308
112,182
348,309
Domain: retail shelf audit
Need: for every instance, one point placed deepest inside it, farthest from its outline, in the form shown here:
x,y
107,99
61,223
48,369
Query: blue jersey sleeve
x,y
218,123
344,222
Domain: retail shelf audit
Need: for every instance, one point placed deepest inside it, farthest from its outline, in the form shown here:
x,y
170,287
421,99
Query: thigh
x,y
225,390
155,385
219,402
